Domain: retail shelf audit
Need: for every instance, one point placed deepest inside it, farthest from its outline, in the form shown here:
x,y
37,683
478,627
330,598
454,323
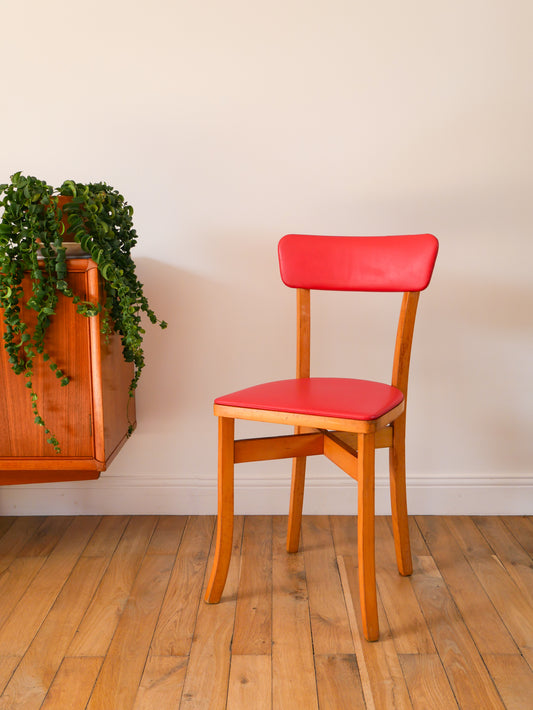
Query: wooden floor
x,y
105,613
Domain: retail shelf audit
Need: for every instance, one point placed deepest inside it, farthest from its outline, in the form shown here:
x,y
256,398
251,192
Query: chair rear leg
x,y
296,504
400,520
366,536
217,581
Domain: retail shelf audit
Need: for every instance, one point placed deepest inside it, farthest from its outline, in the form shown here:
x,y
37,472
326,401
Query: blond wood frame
x,y
349,443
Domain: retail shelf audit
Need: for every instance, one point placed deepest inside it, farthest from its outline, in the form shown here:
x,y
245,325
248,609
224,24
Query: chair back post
x,y
404,341
303,332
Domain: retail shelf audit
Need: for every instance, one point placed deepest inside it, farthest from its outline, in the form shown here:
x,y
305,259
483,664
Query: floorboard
x,y
108,612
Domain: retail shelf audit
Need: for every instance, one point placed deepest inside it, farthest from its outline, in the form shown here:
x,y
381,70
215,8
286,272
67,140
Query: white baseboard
x,y
453,494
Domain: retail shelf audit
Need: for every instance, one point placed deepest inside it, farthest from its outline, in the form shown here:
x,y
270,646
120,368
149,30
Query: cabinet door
x,y
66,410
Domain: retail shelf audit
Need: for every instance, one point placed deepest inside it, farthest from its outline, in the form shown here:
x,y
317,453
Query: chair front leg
x,y
398,493
366,536
226,436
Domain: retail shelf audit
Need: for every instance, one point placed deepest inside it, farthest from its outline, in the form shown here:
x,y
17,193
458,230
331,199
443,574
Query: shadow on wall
x,y
214,343
474,375
177,356
214,331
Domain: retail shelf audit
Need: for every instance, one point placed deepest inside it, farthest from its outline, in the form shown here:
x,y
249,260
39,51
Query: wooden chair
x,y
344,419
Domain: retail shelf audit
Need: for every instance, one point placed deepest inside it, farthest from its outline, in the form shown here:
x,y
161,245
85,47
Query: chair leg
x,y
226,435
366,536
296,504
400,520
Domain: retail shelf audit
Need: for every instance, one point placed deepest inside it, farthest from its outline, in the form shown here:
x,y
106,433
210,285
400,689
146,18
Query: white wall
x,y
228,124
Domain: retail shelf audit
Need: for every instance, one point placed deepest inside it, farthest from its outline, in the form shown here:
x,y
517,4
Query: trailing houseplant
x,y
35,218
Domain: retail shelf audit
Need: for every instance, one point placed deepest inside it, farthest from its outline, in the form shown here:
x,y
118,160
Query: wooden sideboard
x,y
90,416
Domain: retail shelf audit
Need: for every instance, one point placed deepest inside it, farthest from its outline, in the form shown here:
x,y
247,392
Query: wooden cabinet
x,y
90,416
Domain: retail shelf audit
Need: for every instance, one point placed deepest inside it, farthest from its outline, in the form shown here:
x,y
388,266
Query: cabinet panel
x,y
89,416
67,410
118,406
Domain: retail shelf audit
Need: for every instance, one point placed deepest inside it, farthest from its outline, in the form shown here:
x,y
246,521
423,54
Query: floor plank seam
x,y
356,637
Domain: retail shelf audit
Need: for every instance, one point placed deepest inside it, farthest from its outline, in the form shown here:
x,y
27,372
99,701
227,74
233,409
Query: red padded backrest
x,y
396,263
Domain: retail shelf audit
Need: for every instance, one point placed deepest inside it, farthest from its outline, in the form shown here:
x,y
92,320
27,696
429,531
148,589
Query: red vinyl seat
x,y
342,418
319,397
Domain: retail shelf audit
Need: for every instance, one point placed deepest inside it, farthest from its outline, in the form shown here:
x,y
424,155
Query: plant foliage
x,y
31,242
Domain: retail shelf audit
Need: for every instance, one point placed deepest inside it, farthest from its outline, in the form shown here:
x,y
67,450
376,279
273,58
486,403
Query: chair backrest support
x,y
303,332
404,341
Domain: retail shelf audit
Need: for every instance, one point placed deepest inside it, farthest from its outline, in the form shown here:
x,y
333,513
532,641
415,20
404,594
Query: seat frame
x,y
349,443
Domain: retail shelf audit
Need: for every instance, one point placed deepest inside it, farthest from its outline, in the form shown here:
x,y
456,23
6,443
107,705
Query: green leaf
x,y
101,221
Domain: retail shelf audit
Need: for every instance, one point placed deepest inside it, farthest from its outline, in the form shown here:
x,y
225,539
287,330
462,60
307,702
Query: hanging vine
x,y
32,228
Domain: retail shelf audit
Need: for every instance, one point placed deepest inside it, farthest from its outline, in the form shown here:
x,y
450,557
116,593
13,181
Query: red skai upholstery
x,y
396,263
363,400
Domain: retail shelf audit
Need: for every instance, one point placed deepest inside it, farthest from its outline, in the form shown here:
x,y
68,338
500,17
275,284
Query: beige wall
x,y
229,123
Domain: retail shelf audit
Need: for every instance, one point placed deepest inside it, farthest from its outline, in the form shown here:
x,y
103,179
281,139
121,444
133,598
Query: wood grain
x,y
510,603
514,679
381,674
139,581
521,526
225,510
162,683
66,410
253,617
460,657
292,651
15,581
174,632
515,559
250,683
73,684
43,590
101,618
309,420
124,663
90,416
278,447
485,624
206,681
405,619
427,682
27,687
338,683
46,537
329,621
